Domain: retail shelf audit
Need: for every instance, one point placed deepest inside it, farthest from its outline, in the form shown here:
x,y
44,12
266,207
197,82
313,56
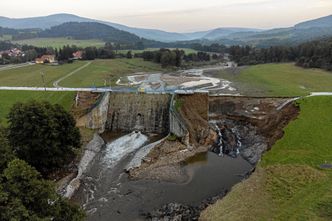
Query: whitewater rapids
x,y
118,149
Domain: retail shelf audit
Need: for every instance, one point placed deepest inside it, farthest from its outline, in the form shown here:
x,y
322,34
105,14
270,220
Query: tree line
x,y
176,57
316,54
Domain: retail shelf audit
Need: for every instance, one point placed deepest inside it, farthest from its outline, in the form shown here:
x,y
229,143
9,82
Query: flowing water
x,y
106,192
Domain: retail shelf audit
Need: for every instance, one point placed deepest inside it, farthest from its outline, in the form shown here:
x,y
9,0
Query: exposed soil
x,y
163,163
194,111
261,113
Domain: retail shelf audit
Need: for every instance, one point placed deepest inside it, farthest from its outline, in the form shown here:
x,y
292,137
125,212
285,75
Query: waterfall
x,y
220,140
123,146
238,141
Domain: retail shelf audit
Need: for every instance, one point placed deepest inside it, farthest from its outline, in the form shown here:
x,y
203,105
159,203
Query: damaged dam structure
x,y
199,138
128,112
198,119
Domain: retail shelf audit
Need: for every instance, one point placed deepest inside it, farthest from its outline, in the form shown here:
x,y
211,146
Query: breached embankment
x,y
164,176
245,128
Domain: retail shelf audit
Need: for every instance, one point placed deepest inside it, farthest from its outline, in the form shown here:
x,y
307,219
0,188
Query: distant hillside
x,y
89,30
320,22
302,32
225,32
46,22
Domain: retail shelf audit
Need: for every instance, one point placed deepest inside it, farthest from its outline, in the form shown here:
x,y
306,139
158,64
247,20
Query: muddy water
x,y
107,194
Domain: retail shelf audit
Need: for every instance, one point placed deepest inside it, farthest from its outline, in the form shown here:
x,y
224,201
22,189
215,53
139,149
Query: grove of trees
x,y
44,136
316,54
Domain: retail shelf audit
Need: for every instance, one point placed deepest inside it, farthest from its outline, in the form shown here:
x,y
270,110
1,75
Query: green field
x,y
60,42
5,37
278,80
289,183
108,70
93,75
31,75
8,98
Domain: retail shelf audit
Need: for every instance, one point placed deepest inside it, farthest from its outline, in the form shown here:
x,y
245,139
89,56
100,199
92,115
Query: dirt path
x,y
56,83
9,67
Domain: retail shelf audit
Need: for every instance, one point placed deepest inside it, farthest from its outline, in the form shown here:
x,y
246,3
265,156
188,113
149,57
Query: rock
x,y
180,212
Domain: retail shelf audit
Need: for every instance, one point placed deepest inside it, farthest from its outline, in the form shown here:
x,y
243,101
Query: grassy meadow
x,y
94,74
278,80
289,183
31,75
8,98
60,42
109,70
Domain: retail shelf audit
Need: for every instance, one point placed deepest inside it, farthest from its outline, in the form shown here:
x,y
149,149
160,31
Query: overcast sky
x,y
178,15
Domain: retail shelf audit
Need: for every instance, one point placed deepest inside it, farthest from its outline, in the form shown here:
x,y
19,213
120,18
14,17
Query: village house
x,y
14,52
45,59
77,55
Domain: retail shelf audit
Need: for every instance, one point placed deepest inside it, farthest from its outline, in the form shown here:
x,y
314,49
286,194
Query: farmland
x,y
108,70
278,80
60,42
8,98
93,75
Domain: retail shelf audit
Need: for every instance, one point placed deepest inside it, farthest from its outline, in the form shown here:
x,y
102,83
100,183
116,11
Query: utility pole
x,y
43,79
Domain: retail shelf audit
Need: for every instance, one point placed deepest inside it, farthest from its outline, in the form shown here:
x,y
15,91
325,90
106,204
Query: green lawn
x,y
31,75
94,74
109,70
289,183
60,42
279,80
8,98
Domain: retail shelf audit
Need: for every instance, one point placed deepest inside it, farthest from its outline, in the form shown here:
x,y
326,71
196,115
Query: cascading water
x,y
238,140
123,146
220,140
229,140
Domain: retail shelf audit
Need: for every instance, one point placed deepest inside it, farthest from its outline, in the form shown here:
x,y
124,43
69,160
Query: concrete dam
x,y
129,112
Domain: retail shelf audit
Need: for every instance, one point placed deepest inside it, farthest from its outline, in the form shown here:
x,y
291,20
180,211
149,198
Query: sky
x,y
178,15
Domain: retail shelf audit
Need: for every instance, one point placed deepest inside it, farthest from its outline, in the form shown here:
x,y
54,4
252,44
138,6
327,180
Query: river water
x,y
106,192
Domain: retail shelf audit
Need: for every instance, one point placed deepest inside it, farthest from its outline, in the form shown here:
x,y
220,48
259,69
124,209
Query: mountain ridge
x,y
296,34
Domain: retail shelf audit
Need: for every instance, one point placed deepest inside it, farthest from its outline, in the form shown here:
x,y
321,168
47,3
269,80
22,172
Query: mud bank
x,y
249,126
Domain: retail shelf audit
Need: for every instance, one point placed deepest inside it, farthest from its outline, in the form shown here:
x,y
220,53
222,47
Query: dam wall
x,y
96,118
144,112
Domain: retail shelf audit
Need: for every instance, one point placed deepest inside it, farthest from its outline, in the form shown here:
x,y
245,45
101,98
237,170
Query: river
x,y
106,192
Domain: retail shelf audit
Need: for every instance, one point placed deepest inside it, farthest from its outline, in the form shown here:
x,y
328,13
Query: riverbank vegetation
x,y
290,182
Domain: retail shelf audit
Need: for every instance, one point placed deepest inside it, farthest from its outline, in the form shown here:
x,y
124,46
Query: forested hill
x,y
90,30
